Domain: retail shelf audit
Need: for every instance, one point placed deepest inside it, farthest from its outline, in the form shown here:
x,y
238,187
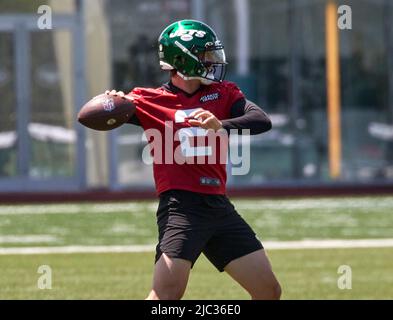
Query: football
x,y
106,112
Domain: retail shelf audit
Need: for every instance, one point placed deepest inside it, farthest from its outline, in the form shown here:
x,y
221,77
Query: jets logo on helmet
x,y
192,49
188,35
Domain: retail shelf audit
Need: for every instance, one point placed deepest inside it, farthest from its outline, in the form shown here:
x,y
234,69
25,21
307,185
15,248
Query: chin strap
x,y
204,81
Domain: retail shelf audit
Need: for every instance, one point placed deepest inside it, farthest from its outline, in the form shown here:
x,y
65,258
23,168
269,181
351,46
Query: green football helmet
x,y
192,49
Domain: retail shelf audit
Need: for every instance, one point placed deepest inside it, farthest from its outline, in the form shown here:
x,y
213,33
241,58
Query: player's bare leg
x,y
170,278
254,273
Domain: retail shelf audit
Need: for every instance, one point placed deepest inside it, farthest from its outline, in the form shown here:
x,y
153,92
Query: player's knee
x,y
272,291
173,293
169,292
277,291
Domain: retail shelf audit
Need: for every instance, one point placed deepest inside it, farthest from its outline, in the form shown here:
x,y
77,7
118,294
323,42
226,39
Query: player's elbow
x,y
262,125
267,124
260,119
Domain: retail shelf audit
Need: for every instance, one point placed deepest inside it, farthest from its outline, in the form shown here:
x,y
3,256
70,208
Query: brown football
x,y
106,112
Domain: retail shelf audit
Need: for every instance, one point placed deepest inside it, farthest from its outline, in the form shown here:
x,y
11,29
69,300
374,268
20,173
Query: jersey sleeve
x,y
234,93
135,94
247,115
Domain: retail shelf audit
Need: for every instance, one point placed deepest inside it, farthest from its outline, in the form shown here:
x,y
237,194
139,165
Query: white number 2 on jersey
x,y
186,134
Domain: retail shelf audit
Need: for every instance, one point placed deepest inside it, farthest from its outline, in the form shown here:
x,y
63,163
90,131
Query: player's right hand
x,y
115,93
121,94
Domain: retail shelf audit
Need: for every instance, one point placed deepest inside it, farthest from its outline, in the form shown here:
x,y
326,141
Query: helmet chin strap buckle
x,y
204,81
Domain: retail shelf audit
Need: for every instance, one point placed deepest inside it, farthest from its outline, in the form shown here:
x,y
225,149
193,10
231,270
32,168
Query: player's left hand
x,y
204,119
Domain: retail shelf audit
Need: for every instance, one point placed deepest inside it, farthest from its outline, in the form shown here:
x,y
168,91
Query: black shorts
x,y
190,223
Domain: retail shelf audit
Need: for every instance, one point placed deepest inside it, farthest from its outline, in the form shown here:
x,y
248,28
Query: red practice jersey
x,y
184,159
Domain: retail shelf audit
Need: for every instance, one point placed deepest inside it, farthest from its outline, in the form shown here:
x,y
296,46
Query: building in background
x,y
277,54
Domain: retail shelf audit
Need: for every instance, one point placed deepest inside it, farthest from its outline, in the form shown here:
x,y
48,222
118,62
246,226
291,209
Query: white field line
x,y
77,249
102,208
259,205
269,245
28,238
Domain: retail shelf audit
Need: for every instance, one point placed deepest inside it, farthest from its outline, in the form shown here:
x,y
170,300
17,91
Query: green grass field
x,y
303,273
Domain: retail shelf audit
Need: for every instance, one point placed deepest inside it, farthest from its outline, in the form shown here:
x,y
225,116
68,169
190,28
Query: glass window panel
x,y
366,109
51,127
8,148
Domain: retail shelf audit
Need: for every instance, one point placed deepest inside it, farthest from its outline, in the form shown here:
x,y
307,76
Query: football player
x,y
194,215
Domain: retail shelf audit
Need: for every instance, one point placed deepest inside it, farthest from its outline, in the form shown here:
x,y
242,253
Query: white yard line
x,y
328,244
28,238
269,245
102,208
77,249
140,207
